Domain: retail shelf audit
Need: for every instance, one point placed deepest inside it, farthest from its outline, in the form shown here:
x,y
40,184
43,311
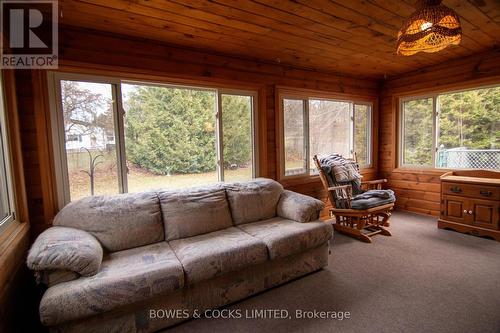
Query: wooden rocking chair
x,y
359,223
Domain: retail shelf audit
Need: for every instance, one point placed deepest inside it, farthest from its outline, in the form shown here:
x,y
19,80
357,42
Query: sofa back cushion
x,y
254,200
118,222
194,211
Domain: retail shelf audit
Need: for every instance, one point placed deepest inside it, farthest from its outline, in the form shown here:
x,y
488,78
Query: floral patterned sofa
x,y
110,262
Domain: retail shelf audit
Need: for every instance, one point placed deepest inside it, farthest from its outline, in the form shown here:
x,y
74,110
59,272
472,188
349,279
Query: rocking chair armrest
x,y
338,187
373,184
376,181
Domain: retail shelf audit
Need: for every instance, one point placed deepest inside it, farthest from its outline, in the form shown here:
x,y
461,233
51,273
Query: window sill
x,y
14,242
298,180
10,237
426,170
288,181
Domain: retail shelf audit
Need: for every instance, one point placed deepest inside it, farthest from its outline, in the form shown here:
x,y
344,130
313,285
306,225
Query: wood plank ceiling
x,y
354,37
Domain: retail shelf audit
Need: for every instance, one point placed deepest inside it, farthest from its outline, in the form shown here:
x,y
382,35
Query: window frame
x,y
434,133
435,123
306,96
305,126
369,133
254,123
9,195
57,124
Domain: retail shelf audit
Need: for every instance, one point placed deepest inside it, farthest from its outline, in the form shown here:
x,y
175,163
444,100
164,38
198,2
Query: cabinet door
x,y
456,209
485,214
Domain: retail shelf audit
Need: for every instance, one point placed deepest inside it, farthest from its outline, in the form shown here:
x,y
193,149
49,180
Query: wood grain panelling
x,y
355,37
418,190
105,54
14,239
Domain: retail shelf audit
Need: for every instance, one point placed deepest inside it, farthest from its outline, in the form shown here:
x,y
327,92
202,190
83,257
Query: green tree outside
x,y
173,130
469,119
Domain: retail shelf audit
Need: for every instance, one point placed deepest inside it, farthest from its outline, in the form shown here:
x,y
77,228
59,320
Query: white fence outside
x,y
462,158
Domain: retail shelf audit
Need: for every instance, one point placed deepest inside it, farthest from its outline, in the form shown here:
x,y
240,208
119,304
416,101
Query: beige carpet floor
x,y
420,280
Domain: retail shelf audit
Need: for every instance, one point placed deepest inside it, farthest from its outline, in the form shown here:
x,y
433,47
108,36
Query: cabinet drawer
x,y
473,191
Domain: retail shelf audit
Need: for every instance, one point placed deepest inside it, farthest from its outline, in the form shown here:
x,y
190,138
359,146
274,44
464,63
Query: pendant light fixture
x,y
431,28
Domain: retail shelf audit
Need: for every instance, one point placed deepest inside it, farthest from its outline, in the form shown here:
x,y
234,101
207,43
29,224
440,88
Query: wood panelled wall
x,y
99,53
417,190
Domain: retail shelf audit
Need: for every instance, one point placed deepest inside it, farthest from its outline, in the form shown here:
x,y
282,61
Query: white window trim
x,y
9,198
281,132
435,124
57,123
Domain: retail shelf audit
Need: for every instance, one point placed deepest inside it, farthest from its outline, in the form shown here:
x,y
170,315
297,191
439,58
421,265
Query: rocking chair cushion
x,y
341,171
365,201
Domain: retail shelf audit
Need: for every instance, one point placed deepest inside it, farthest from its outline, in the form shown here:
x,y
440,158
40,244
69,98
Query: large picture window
x,y
315,126
457,130
118,136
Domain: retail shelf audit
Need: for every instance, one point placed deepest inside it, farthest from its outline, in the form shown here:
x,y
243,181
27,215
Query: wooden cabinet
x,y
470,202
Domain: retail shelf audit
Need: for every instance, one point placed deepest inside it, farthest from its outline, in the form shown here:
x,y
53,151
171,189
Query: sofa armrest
x,y
299,207
67,249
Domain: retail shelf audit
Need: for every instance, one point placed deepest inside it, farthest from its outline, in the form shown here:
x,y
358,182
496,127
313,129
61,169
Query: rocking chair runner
x,y
359,223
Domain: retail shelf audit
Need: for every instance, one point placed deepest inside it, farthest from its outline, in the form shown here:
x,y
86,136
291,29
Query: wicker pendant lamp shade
x,y
429,29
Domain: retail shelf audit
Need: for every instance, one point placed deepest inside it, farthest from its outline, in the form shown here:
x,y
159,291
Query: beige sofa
x,y
111,262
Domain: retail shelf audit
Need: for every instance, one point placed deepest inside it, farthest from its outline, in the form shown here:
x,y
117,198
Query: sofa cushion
x,y
254,200
195,211
69,249
125,277
119,222
286,237
216,253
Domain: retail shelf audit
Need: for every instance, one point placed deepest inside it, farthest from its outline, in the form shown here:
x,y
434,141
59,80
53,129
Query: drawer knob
x,y
485,193
456,189
470,212
465,211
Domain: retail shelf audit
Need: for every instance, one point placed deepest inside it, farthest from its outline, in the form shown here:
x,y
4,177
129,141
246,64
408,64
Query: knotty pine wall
x,y
90,52
418,190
